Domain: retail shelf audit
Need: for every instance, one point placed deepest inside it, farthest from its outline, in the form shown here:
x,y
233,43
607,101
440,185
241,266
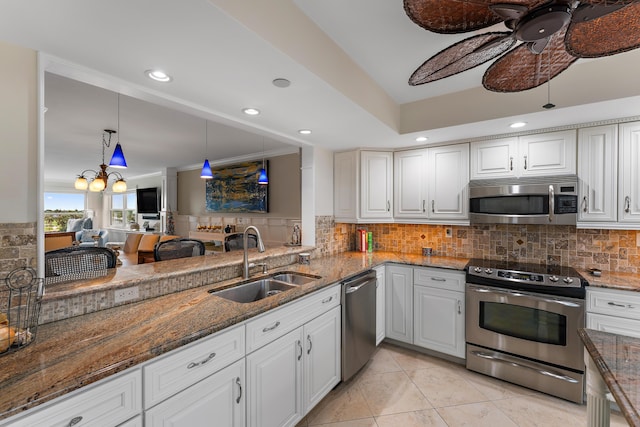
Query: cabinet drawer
x,y
614,325
276,323
107,403
439,278
614,302
185,366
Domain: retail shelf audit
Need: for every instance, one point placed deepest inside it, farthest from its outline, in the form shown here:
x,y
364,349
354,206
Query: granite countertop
x,y
617,358
74,352
613,280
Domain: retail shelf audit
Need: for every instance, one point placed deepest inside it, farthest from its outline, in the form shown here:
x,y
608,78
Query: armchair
x,y
85,237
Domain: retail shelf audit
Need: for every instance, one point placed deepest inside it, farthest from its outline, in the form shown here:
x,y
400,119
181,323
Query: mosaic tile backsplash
x,y
613,250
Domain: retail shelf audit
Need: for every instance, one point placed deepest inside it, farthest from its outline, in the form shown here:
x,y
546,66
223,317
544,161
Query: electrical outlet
x,y
126,294
448,232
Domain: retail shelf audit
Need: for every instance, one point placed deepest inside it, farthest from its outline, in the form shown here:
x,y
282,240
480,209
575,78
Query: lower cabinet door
x,y
217,400
399,303
274,382
439,320
380,303
322,356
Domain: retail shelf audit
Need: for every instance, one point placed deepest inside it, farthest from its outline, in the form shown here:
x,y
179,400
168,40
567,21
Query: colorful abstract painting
x,y
235,188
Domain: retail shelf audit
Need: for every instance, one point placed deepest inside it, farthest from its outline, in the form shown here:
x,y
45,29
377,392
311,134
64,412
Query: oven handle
x,y
513,362
479,289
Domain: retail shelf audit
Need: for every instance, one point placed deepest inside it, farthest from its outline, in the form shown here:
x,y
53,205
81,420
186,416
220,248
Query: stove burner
x,y
553,280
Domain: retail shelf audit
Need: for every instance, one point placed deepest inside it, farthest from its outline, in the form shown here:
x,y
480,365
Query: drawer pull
x,y
271,328
438,279
240,388
300,347
74,421
326,300
194,364
620,305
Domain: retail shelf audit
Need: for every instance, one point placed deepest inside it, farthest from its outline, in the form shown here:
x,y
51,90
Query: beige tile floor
x,y
403,388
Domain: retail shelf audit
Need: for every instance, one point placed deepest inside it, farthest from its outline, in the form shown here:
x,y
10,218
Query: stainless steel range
x,y
522,325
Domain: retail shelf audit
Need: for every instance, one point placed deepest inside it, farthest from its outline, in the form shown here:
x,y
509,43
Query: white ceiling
x,y
348,61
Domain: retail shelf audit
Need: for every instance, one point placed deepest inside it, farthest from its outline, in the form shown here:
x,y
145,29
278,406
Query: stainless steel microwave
x,y
531,200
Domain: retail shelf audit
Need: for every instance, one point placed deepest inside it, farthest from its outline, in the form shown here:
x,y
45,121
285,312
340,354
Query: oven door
x,y
535,326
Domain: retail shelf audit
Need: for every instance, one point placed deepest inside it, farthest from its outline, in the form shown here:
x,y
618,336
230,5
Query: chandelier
x,y
100,179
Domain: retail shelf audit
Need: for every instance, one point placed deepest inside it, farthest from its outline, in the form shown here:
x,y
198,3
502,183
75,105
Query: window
x,y
60,207
123,209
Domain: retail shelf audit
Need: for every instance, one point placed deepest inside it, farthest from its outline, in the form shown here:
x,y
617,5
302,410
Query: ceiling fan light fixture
x,y
543,22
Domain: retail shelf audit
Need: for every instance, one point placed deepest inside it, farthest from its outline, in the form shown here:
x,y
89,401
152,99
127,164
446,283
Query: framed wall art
x,y
235,188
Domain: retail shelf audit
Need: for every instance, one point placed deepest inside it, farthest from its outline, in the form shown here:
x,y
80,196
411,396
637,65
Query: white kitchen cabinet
x,y
295,359
597,174
613,310
399,303
448,179
376,184
380,303
551,153
363,186
219,397
439,312
410,191
629,180
494,158
109,402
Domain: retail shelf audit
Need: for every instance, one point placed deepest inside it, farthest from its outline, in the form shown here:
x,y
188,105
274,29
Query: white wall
x,y
18,134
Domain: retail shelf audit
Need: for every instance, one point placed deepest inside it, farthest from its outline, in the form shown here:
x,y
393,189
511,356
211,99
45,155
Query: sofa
x,y
85,237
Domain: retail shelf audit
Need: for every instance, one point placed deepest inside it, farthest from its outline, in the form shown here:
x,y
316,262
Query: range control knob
x,y
567,280
488,271
477,269
554,278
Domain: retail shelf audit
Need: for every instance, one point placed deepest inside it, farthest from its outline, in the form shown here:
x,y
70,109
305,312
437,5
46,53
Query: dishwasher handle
x,y
358,282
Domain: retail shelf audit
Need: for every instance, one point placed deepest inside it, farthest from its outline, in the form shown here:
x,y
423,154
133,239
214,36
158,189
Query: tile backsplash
x,y
613,250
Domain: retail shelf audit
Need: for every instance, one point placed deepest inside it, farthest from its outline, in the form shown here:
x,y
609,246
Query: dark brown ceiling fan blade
x,y
451,16
521,69
613,33
462,56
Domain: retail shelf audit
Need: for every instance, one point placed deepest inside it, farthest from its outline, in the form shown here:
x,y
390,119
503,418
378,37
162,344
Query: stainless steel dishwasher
x,y
358,322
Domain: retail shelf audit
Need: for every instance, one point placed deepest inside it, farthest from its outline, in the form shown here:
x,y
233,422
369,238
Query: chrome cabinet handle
x,y
620,305
584,204
74,421
438,279
271,328
511,163
459,307
627,204
433,206
424,209
239,384
194,364
300,347
388,206
552,203
525,162
310,344
326,300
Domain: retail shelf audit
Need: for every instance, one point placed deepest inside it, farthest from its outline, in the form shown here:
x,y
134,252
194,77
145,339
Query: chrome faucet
x,y
245,244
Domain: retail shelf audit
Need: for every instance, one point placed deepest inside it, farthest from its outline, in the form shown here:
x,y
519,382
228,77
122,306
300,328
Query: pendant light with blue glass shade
x,y
206,168
117,159
262,178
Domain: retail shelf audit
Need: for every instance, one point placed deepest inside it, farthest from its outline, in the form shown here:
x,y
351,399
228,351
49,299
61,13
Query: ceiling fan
x,y
548,37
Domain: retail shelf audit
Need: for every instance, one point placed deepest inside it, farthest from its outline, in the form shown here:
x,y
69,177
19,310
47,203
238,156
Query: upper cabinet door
x,y
376,183
551,153
597,173
410,184
448,177
494,159
629,185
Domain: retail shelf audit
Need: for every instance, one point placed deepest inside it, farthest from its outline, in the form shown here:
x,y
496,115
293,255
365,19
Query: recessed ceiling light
x,y
158,75
251,111
305,131
421,139
517,125
280,82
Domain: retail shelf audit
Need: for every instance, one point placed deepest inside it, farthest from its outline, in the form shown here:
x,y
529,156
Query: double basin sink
x,y
257,289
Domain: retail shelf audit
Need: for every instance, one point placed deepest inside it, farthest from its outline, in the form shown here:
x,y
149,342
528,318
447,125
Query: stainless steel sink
x,y
294,278
253,291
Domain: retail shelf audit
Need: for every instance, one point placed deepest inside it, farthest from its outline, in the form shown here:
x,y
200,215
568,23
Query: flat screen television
x,y
148,200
